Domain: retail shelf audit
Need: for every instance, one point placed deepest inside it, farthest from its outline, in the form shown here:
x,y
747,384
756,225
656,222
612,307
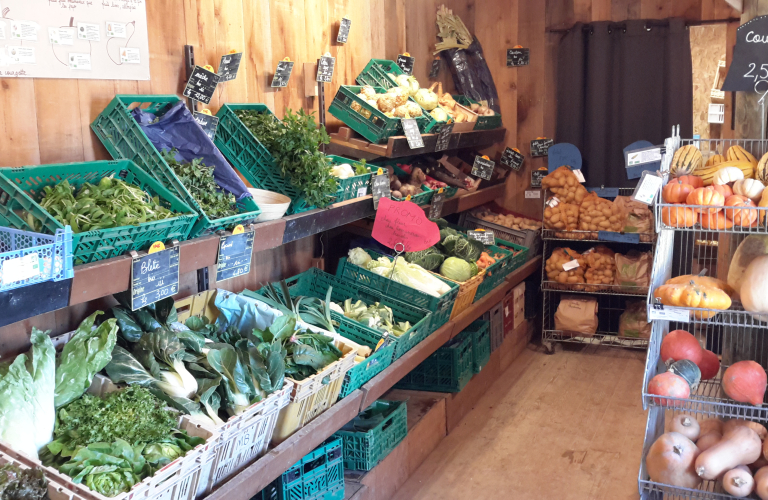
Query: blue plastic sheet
x,y
177,129
244,312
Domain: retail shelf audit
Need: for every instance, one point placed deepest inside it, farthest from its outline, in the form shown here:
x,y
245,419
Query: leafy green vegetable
x,y
460,246
377,316
109,469
17,426
43,370
22,484
199,181
430,259
456,269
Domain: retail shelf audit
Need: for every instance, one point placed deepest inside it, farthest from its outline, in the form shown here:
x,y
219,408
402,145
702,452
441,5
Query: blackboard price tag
x,y
604,192
536,176
518,56
154,277
483,236
208,123
618,237
483,167
380,187
282,74
748,70
325,69
435,69
405,61
436,207
540,147
344,30
512,158
444,137
201,85
229,65
412,133
235,252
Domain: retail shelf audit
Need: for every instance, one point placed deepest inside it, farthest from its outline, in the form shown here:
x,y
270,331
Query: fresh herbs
x,y
198,179
22,484
110,203
294,144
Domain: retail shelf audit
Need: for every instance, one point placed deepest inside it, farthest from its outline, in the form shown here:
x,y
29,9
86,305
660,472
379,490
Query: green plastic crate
x,y
352,187
24,189
440,307
363,450
495,273
422,199
450,191
480,331
364,371
483,122
317,476
375,73
125,140
448,369
515,261
361,117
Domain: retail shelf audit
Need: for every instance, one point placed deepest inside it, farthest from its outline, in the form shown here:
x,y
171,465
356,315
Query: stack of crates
x,y
480,331
363,450
448,369
317,476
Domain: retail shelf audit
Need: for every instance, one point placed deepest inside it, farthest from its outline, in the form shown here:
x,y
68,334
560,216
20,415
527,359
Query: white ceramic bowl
x,y
273,205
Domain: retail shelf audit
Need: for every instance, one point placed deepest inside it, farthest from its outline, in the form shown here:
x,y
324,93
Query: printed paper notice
x,y
20,269
645,156
130,56
20,55
570,265
79,61
90,32
61,36
116,30
24,30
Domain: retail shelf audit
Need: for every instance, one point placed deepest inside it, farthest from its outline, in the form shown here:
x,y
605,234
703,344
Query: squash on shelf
x,y
676,191
717,222
709,365
745,382
753,246
679,216
694,296
703,280
738,153
705,197
686,425
669,385
686,160
693,180
761,170
688,370
723,189
714,160
741,446
739,482
754,288
740,210
761,483
726,175
708,174
678,345
671,460
749,188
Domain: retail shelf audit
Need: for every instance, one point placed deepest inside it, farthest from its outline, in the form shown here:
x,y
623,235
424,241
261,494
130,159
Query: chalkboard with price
x,y
154,277
235,253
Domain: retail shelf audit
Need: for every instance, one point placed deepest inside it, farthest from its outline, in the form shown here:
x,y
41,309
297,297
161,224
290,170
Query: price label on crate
x,y
572,264
235,253
436,206
380,187
483,236
282,73
647,188
618,237
412,133
435,69
344,30
540,146
21,268
483,167
405,61
444,137
659,312
201,85
536,177
154,277
518,56
325,68
229,65
512,158
207,122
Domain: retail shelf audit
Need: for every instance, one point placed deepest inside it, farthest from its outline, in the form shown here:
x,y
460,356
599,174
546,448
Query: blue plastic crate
x,y
317,476
54,255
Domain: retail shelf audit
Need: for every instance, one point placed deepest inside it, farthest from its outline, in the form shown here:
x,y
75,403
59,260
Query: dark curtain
x,y
618,83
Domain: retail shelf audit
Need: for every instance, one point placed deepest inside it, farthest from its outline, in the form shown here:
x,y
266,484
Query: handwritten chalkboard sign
x,y
512,159
208,123
435,69
536,176
228,66
282,74
235,252
518,57
344,30
154,277
380,188
444,137
325,69
483,236
412,133
749,66
436,206
201,85
405,61
483,168
540,147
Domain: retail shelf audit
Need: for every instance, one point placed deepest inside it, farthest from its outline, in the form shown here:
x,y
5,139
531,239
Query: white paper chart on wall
x,y
93,39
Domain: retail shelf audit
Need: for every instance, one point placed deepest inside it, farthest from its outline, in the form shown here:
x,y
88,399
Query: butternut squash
x,y
757,464
761,431
711,425
671,460
708,440
686,425
739,481
741,446
761,483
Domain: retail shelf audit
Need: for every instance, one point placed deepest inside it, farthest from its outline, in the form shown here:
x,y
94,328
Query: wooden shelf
x,y
263,471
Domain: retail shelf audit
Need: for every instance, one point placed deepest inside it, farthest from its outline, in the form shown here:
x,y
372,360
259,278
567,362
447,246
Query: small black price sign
x,y
325,69
512,158
208,123
405,61
201,85
540,147
282,74
235,252
228,66
380,187
537,176
435,69
154,277
436,206
483,236
444,137
344,30
412,133
518,56
483,167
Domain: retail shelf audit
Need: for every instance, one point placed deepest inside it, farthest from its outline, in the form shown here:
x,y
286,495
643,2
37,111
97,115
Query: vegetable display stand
x,y
495,273
365,448
480,331
448,369
53,256
125,140
365,370
24,186
440,307
352,187
422,199
483,122
317,476
526,238
376,74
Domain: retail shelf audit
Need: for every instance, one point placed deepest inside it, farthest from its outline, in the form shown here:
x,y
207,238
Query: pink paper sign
x,y
404,222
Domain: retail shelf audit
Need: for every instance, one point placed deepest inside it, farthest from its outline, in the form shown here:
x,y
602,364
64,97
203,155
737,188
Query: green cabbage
x,y
457,245
456,269
430,259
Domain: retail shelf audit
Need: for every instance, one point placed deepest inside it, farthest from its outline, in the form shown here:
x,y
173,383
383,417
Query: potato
x,y
561,216
601,265
556,272
599,214
563,183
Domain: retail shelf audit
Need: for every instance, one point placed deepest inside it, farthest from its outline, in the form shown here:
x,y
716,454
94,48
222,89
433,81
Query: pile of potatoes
x,y
562,216
599,214
510,221
563,183
556,272
601,265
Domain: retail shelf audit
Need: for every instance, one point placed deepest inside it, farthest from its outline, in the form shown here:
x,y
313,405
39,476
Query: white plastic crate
x,y
55,490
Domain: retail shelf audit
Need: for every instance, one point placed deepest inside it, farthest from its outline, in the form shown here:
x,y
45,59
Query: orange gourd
x,y
741,210
693,180
679,216
715,221
724,190
708,197
676,191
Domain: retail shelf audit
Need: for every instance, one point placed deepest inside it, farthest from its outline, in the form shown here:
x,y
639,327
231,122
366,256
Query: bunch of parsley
x,y
197,177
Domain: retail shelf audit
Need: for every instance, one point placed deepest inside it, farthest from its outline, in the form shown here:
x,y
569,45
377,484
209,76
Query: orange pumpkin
x,y
737,209
693,180
705,196
715,221
724,190
676,191
679,216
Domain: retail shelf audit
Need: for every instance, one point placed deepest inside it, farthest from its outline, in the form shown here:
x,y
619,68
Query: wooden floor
x,y
565,426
